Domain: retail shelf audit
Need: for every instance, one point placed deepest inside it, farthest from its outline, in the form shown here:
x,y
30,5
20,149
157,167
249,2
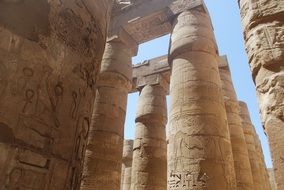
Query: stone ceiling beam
x,y
151,72
138,10
145,20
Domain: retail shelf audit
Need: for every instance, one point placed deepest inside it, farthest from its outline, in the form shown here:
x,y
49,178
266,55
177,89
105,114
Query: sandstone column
x,y
200,154
253,155
264,172
126,165
272,179
263,32
239,146
102,168
149,166
50,52
258,165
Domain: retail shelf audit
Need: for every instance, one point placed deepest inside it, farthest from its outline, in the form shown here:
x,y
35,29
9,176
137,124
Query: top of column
x,y
244,112
145,20
226,78
127,150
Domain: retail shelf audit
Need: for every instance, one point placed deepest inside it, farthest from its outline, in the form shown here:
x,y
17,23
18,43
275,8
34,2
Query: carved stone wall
x,y
50,53
263,25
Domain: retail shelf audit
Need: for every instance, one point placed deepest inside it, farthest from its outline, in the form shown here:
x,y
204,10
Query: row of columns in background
x,y
240,153
255,172
249,170
207,145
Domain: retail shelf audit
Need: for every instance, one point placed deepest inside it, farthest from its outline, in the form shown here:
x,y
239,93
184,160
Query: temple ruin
x,y
66,72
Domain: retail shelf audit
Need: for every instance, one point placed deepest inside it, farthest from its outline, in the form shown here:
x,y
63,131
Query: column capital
x,y
201,39
150,148
127,150
119,34
178,7
226,79
155,79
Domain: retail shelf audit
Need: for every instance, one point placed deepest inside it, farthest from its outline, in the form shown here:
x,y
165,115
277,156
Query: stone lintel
x,y
145,20
151,72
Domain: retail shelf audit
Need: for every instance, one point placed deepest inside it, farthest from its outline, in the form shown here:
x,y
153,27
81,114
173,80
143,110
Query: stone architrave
x,y
126,165
200,152
239,147
149,165
263,26
103,160
50,54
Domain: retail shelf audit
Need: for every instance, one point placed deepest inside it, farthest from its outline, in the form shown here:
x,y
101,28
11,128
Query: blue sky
x,y
228,32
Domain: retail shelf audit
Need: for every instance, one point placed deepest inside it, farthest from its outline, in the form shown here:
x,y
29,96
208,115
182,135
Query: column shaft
x,y
250,141
127,178
50,54
149,166
272,179
239,146
200,153
260,172
263,33
102,168
262,165
126,165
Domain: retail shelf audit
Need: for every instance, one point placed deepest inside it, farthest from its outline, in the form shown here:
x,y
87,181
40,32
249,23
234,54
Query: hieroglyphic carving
x,y
106,138
264,46
75,33
3,79
82,131
199,139
188,180
149,151
264,39
44,99
29,172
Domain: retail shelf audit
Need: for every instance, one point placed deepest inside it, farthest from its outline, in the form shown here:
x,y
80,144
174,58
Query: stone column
x,y
126,165
262,165
258,165
200,153
250,141
272,179
149,166
50,54
102,168
263,33
239,146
